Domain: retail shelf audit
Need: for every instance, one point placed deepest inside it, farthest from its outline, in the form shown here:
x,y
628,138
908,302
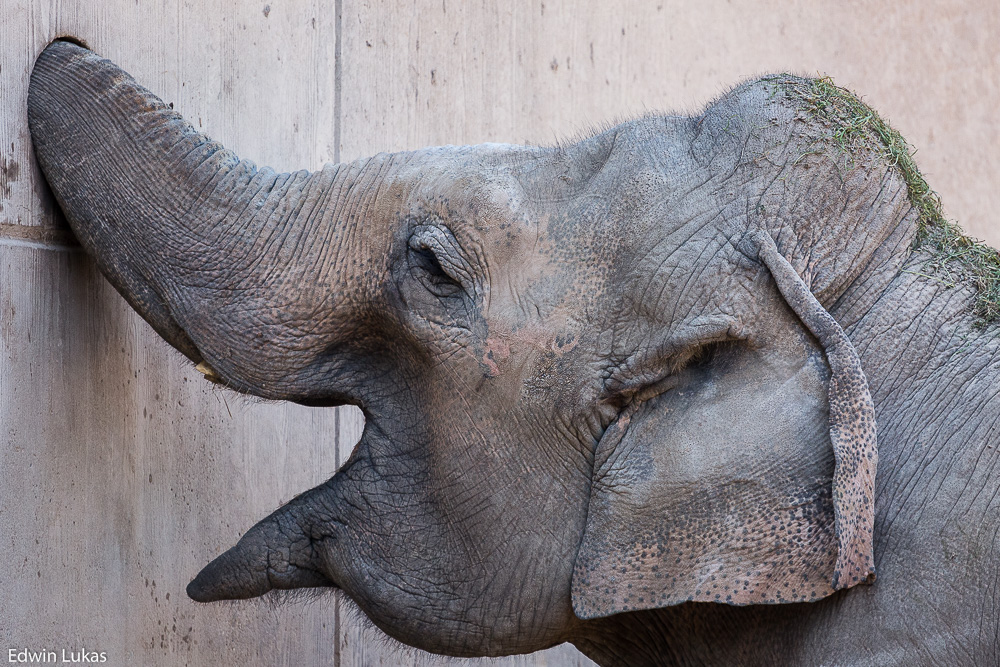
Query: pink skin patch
x,y
497,348
497,351
561,345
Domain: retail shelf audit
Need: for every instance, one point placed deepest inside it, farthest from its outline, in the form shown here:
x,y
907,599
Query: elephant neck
x,y
917,311
929,356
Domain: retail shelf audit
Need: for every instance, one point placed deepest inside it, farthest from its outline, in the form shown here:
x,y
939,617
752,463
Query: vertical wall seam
x,y
338,436
338,110
338,71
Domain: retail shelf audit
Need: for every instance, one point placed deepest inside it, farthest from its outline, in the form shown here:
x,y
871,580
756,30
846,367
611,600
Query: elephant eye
x,y
430,271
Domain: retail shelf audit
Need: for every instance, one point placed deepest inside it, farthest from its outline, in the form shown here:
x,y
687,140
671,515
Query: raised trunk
x,y
196,239
94,131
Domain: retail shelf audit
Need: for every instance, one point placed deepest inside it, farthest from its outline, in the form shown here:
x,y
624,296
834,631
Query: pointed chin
x,y
281,552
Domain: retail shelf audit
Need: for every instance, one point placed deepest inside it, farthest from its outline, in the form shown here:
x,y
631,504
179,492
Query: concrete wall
x,y
122,471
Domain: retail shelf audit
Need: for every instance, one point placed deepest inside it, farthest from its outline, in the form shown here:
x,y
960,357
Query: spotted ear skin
x,y
750,482
852,424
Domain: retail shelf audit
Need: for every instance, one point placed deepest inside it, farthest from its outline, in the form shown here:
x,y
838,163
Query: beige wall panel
x,y
261,84
124,472
418,73
121,467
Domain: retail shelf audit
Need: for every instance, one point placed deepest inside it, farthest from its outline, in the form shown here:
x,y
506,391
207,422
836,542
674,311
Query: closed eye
x,y
429,270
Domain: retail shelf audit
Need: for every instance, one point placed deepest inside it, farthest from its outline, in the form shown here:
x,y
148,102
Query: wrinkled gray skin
x,y
495,309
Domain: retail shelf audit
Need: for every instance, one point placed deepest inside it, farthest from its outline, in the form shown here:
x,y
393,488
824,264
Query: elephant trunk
x,y
278,553
204,245
123,167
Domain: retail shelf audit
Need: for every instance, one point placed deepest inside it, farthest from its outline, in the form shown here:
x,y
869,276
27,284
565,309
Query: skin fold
x,y
622,392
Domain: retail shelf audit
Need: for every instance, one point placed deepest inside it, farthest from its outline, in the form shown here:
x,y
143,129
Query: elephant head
x,y
596,377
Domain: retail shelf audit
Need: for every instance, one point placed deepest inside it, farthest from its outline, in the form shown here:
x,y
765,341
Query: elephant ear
x,y
750,482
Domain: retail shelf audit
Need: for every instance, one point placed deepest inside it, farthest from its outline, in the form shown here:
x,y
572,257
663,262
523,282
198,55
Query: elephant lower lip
x,y
204,589
251,569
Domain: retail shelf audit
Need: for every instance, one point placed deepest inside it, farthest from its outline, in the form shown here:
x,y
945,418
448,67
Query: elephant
x,y
673,392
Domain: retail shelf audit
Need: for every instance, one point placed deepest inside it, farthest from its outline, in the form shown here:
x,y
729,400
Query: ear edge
x,y
853,431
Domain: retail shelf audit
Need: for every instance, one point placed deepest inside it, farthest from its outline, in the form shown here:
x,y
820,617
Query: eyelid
x,y
447,250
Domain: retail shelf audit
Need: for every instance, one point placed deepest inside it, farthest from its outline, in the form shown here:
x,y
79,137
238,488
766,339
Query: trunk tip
x,y
63,49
